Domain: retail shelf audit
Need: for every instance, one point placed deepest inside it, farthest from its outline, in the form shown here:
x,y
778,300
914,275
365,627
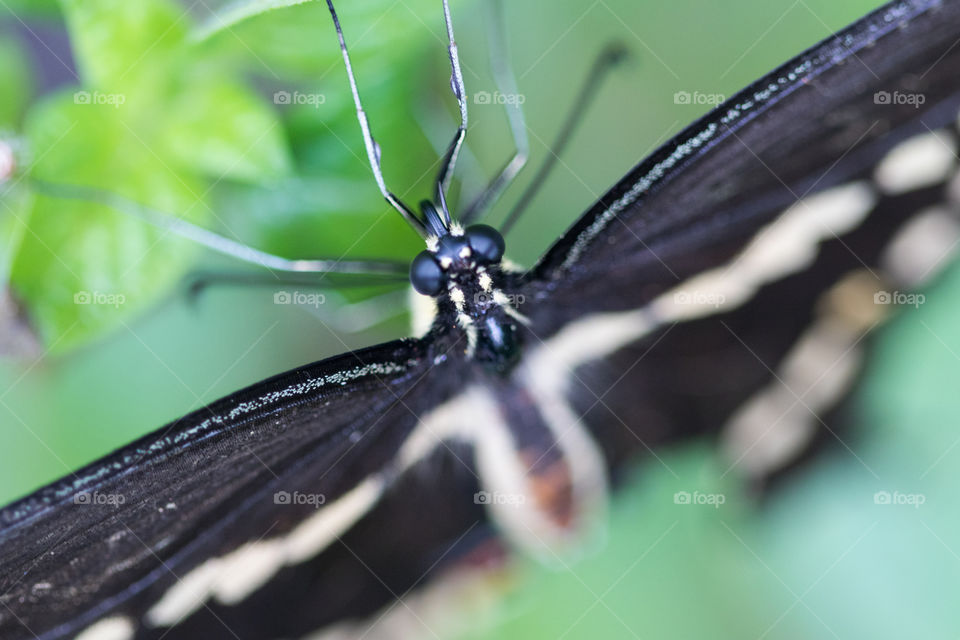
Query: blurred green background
x,y
200,134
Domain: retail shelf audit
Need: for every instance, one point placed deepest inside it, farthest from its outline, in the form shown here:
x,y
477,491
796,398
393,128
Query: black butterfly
x,y
680,303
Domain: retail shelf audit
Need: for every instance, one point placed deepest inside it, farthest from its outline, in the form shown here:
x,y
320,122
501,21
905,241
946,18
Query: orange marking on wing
x,y
551,487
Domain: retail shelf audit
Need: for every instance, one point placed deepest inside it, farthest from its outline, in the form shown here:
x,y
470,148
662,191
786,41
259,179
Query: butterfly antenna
x,y
373,149
506,83
611,56
456,85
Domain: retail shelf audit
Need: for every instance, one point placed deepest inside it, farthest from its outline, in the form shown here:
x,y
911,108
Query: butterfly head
x,y
453,253
454,256
461,270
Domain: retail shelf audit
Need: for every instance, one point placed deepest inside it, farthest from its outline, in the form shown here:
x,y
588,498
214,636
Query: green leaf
x,y
231,13
233,17
225,130
332,206
124,46
157,115
299,42
82,267
16,84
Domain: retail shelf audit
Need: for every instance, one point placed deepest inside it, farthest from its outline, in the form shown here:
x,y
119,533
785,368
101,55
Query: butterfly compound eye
x,y
486,242
426,276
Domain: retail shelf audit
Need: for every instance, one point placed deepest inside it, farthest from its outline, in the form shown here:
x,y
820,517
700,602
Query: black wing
x,y
817,121
113,538
823,120
699,376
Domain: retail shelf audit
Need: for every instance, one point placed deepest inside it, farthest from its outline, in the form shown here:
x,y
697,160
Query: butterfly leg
x,y
200,281
340,313
608,58
373,149
506,83
456,85
214,241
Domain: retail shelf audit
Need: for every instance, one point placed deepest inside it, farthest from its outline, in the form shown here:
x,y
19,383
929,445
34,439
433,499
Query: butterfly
x,y
682,301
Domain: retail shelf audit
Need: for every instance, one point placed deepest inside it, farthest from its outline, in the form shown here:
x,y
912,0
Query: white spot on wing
x,y
185,596
242,571
786,246
589,338
112,628
452,420
922,247
233,577
778,421
314,534
920,161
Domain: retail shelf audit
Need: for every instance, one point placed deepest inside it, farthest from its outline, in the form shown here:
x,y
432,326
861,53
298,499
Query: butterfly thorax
x,y
461,270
